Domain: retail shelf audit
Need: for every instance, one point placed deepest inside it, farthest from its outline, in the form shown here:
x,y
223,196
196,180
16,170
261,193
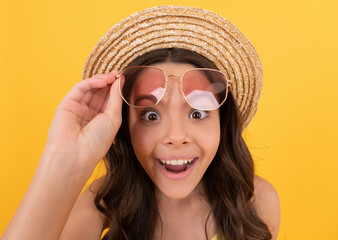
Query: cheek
x,y
211,139
208,137
144,142
143,138
140,139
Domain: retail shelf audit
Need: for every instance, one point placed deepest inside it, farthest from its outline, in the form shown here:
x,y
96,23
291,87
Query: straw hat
x,y
190,28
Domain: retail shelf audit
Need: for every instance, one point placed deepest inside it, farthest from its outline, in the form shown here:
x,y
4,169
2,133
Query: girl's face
x,y
173,142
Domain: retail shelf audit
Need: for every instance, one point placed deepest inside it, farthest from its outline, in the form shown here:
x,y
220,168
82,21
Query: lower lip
x,y
176,176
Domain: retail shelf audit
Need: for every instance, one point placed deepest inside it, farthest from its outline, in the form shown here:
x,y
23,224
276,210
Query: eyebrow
x,y
152,98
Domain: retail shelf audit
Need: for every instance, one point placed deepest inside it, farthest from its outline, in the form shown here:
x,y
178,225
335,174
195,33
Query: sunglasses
x,y
144,86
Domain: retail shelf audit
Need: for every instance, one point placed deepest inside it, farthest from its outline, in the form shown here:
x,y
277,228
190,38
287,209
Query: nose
x,y
176,134
176,127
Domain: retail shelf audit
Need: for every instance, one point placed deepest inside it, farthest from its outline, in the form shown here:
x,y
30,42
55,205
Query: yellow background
x,y
293,138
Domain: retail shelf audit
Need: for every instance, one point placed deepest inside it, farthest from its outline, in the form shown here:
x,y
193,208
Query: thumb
x,y
107,123
113,107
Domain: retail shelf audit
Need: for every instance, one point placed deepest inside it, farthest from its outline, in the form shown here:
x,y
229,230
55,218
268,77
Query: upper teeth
x,y
177,162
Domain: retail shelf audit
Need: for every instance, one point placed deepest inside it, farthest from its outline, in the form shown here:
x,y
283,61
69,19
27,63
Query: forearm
x,y
48,201
82,131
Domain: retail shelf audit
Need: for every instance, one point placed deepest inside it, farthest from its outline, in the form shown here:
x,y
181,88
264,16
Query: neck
x,y
186,216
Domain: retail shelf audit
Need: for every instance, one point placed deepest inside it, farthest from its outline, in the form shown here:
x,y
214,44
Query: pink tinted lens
x,y
143,86
204,89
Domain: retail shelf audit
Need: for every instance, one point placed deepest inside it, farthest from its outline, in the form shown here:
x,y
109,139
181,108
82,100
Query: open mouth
x,y
177,166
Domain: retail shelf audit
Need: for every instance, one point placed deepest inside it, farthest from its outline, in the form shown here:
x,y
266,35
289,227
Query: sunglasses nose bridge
x,y
173,75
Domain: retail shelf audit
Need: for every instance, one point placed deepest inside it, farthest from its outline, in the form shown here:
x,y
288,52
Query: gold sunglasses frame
x,y
227,82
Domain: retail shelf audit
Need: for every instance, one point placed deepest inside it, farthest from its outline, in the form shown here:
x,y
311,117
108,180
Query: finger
x,y
98,98
109,80
86,86
107,96
88,96
103,107
86,89
114,102
109,121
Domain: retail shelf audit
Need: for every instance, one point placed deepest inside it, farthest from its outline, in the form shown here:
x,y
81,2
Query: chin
x,y
175,192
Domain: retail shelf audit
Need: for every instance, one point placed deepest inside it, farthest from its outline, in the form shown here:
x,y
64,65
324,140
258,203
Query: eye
x,y
150,115
198,114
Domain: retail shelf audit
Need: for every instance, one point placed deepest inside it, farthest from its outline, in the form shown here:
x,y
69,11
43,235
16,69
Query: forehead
x,y
174,68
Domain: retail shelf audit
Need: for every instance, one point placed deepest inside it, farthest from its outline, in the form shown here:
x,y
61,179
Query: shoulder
x,y
264,191
266,202
90,194
85,220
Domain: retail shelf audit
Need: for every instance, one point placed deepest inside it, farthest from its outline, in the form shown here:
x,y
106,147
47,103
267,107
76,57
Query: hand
x,y
86,121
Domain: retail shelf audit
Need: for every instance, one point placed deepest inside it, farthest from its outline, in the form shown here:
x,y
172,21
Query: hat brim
x,y
189,28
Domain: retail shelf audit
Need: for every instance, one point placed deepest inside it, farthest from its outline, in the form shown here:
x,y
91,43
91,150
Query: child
x,y
177,166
